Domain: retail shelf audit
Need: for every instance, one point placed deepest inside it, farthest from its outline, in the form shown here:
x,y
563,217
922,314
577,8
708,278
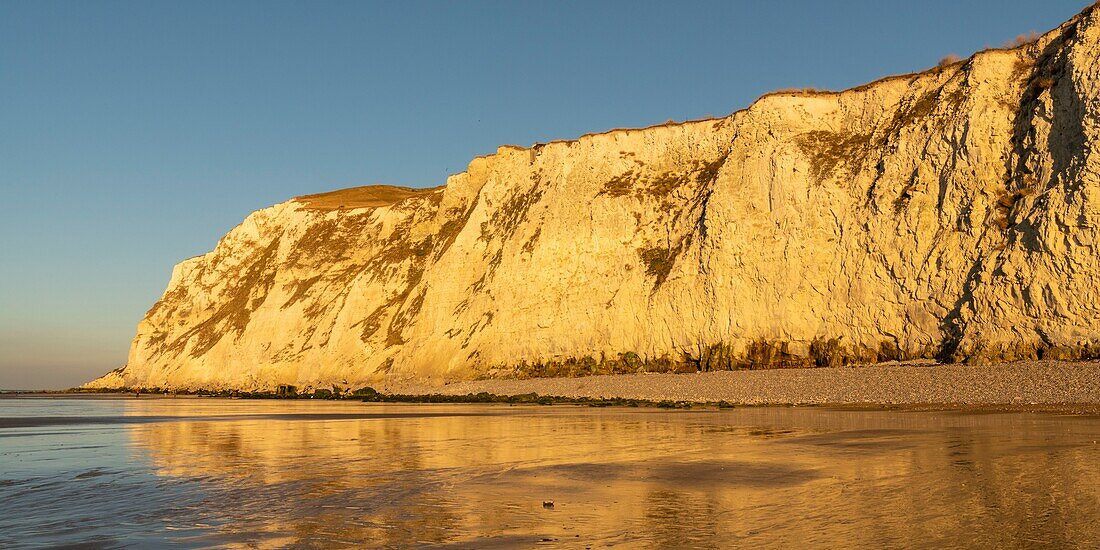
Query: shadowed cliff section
x,y
946,214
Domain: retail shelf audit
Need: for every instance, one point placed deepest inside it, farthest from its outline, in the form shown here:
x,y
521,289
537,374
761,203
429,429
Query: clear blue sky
x,y
135,134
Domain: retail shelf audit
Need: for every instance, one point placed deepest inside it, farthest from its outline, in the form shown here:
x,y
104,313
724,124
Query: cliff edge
x,y
951,214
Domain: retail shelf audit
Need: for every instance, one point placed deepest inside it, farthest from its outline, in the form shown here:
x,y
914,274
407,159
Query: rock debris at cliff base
x,y
1039,385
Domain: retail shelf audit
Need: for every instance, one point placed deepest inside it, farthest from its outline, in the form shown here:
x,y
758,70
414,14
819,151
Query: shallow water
x,y
215,473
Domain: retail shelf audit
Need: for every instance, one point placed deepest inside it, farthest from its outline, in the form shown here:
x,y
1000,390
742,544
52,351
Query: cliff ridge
x,y
951,214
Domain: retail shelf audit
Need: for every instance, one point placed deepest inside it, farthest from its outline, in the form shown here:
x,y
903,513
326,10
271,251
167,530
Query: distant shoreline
x,y
1053,386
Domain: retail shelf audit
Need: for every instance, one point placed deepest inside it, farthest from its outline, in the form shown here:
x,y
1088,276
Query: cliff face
x,y
950,214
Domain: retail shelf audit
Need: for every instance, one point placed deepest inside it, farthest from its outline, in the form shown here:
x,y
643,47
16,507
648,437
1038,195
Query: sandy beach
x,y
1038,385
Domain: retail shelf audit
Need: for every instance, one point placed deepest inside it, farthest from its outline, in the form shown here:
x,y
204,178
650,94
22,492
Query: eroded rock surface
x,y
951,214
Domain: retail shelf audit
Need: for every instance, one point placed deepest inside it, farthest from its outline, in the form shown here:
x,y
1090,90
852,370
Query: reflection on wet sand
x,y
631,477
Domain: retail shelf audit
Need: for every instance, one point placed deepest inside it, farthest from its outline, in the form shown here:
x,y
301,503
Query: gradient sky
x,y
135,134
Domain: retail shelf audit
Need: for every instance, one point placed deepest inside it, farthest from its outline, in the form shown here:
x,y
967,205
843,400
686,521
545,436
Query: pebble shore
x,y
1045,385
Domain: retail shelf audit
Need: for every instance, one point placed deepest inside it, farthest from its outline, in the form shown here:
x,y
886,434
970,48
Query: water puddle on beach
x,y
216,473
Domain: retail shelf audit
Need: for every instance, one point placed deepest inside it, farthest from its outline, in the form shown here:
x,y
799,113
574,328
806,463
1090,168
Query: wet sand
x,y
237,473
1027,385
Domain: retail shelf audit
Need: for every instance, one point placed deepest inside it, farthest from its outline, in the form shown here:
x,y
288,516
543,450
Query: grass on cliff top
x,y
367,196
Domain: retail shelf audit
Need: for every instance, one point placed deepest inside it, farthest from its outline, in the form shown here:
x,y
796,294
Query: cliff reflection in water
x,y
479,475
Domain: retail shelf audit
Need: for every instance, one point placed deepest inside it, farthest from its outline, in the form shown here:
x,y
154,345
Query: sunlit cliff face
x,y
435,475
948,214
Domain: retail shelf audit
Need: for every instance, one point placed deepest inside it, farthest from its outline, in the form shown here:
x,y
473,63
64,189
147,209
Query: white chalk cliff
x,y
951,214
